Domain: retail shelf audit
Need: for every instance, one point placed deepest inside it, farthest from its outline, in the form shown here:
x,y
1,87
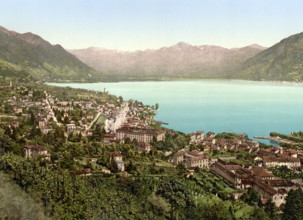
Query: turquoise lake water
x,y
254,108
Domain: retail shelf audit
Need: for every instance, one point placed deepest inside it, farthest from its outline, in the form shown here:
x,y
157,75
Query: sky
x,y
130,25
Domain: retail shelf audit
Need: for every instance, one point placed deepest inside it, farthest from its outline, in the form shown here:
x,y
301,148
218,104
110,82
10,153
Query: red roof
x,y
261,172
178,154
201,157
35,147
194,152
115,154
232,167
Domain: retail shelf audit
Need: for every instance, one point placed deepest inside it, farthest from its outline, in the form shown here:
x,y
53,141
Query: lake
x,y
254,108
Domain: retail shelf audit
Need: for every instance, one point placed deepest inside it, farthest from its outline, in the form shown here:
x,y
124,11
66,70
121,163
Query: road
x,y
93,121
50,107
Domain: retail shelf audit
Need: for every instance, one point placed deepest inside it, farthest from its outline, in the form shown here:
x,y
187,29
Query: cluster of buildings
x,y
262,181
133,123
277,156
211,143
90,112
245,176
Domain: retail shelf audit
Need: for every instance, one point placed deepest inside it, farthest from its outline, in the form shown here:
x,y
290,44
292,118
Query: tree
x,y
294,205
131,167
258,214
157,106
135,142
113,166
127,141
176,193
251,197
32,119
271,209
181,168
98,133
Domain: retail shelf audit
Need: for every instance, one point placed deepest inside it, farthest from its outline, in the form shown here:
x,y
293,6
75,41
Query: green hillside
x,y
28,54
283,62
15,203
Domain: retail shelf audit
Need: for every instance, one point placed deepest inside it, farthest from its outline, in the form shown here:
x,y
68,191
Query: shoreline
x,y
262,82
275,139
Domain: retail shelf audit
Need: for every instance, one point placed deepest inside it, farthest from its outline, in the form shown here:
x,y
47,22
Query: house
x,y
267,192
17,110
281,184
89,116
88,105
273,160
199,135
178,158
108,138
70,128
200,161
117,157
145,147
31,151
110,105
192,137
262,174
84,172
64,108
291,153
105,170
210,135
46,129
191,159
42,123
234,173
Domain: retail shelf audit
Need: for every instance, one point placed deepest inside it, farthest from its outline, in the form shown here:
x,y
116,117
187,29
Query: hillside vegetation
x,y
28,55
15,203
283,61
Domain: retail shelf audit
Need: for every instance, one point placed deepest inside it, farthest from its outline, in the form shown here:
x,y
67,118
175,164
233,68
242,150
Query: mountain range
x,y
178,61
29,57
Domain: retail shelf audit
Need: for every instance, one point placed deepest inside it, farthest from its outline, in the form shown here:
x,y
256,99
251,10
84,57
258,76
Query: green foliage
x,y
15,203
181,169
98,134
251,197
173,142
285,173
176,193
294,205
271,210
28,56
225,135
281,62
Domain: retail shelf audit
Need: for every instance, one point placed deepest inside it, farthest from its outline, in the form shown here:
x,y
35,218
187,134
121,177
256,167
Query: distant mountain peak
x,y
32,38
257,46
182,45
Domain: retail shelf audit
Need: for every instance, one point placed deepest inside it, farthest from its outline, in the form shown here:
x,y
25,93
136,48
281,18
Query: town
x,y
103,135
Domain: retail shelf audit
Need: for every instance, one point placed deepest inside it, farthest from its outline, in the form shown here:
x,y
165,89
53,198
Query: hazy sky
x,y
142,24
